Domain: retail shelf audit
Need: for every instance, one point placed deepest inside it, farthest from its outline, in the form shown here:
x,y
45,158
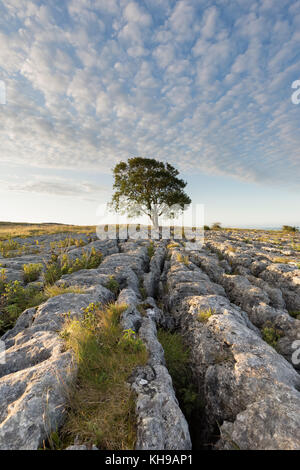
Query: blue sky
x,y
205,85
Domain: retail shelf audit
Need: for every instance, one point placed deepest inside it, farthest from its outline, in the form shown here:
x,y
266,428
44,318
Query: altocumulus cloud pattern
x,y
205,85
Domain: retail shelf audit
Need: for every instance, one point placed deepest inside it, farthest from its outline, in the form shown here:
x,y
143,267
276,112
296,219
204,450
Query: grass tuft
x,y
102,405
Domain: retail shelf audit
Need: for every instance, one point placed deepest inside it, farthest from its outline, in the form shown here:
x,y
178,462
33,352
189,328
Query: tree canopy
x,y
148,186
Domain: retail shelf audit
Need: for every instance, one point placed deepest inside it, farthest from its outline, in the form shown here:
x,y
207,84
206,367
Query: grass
x,y
295,314
271,335
177,358
282,260
57,267
113,285
102,405
204,315
23,230
150,250
172,245
10,249
31,271
53,291
182,259
14,300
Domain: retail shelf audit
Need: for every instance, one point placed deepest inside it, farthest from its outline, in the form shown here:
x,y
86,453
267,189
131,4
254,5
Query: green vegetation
x,y
204,315
148,186
182,259
31,271
151,250
8,247
2,280
113,285
15,300
54,290
271,335
66,243
289,229
101,405
178,363
295,314
172,245
59,266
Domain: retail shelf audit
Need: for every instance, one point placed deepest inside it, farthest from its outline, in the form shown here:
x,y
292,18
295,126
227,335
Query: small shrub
x,y
182,259
271,335
113,285
204,315
289,229
57,267
8,247
2,280
295,314
31,271
206,227
15,300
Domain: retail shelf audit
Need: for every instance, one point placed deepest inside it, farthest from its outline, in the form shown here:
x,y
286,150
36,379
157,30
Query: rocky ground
x,y
235,301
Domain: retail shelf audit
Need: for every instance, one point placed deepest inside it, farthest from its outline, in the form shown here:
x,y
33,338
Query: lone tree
x,y
147,186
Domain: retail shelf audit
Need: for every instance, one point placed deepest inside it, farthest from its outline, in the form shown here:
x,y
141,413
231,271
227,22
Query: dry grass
x,y
23,230
102,405
52,291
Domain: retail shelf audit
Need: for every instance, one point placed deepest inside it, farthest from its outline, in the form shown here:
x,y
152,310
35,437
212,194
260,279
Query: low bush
x,y
58,266
31,271
204,315
113,285
15,300
271,335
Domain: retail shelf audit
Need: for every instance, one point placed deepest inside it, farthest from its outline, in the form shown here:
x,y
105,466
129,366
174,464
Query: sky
x,y
204,85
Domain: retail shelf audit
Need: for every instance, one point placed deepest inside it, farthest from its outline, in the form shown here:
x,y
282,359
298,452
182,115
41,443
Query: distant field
x,y
22,229
11,229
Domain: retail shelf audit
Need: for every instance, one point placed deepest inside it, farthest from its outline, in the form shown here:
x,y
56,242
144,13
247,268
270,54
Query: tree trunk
x,y
154,218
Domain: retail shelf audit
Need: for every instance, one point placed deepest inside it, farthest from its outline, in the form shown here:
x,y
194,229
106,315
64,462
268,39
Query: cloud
x,y
83,190
205,85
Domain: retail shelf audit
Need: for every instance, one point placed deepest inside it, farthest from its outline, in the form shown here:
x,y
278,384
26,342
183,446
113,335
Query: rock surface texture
x,y
236,303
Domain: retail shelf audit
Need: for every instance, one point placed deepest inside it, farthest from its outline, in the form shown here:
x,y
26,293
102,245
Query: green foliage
x,y
271,335
31,271
2,280
15,300
8,247
295,314
102,408
113,285
206,227
64,265
178,363
182,259
150,249
289,229
130,342
145,185
204,315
